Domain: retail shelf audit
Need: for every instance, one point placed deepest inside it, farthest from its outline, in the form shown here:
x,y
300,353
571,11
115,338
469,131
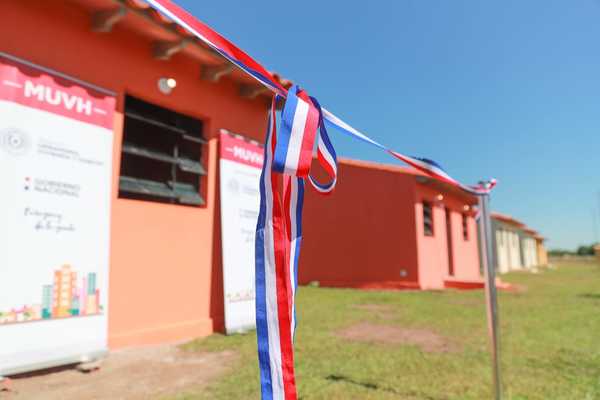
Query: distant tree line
x,y
580,251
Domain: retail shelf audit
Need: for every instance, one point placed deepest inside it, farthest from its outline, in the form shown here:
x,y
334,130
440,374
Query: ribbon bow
x,y
279,232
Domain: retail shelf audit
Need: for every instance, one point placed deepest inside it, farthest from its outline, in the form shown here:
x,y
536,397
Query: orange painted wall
x,y
433,250
360,234
466,252
165,270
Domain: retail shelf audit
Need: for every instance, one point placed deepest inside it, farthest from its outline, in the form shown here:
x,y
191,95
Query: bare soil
x,y
425,339
132,374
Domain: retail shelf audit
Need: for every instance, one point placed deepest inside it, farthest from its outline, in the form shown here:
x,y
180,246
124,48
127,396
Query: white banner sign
x,y
56,157
240,165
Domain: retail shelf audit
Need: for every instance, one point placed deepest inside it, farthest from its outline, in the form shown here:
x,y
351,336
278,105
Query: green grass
x,y
550,343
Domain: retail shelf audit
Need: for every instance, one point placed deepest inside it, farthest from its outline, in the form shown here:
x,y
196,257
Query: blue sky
x,y
506,89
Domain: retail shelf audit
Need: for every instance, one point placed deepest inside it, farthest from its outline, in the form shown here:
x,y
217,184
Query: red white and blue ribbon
x,y
295,142
274,299
279,234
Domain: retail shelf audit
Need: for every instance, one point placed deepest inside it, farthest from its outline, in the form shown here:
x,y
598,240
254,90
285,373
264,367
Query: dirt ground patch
x,y
133,374
516,288
425,339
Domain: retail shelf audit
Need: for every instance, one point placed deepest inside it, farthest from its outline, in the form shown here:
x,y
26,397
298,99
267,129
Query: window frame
x,y
162,154
465,226
428,231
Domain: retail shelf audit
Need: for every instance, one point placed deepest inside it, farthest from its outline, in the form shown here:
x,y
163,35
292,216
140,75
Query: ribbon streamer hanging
x,y
279,234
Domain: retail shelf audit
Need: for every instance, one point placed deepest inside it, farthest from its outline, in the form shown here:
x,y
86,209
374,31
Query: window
x,y
427,219
161,155
465,226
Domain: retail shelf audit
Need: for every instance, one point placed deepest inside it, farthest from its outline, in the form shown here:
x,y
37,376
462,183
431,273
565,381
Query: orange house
x,y
389,227
165,250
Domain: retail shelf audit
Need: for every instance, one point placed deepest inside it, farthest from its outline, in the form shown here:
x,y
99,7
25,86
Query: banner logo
x,y
57,97
15,141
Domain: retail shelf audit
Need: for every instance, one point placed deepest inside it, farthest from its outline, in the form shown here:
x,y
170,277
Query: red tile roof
x,y
143,19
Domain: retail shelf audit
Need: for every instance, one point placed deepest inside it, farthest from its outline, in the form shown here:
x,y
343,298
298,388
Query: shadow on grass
x,y
593,296
376,387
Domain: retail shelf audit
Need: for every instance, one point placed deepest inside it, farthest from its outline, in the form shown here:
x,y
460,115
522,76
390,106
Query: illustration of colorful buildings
x,y
64,282
7,317
63,298
93,295
74,310
47,301
31,313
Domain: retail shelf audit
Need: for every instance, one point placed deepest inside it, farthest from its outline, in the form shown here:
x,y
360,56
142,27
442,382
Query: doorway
x,y
449,242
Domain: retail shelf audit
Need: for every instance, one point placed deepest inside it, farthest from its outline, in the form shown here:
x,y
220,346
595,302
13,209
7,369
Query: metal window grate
x,y
427,219
465,226
161,155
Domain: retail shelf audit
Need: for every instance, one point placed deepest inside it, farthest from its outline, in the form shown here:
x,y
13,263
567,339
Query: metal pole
x,y
489,271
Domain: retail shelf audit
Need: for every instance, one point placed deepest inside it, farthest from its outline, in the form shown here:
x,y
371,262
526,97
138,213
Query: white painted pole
x,y
489,271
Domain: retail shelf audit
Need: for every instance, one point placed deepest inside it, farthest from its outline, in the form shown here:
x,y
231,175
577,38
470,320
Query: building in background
x,y
542,253
516,246
390,226
506,242
529,253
